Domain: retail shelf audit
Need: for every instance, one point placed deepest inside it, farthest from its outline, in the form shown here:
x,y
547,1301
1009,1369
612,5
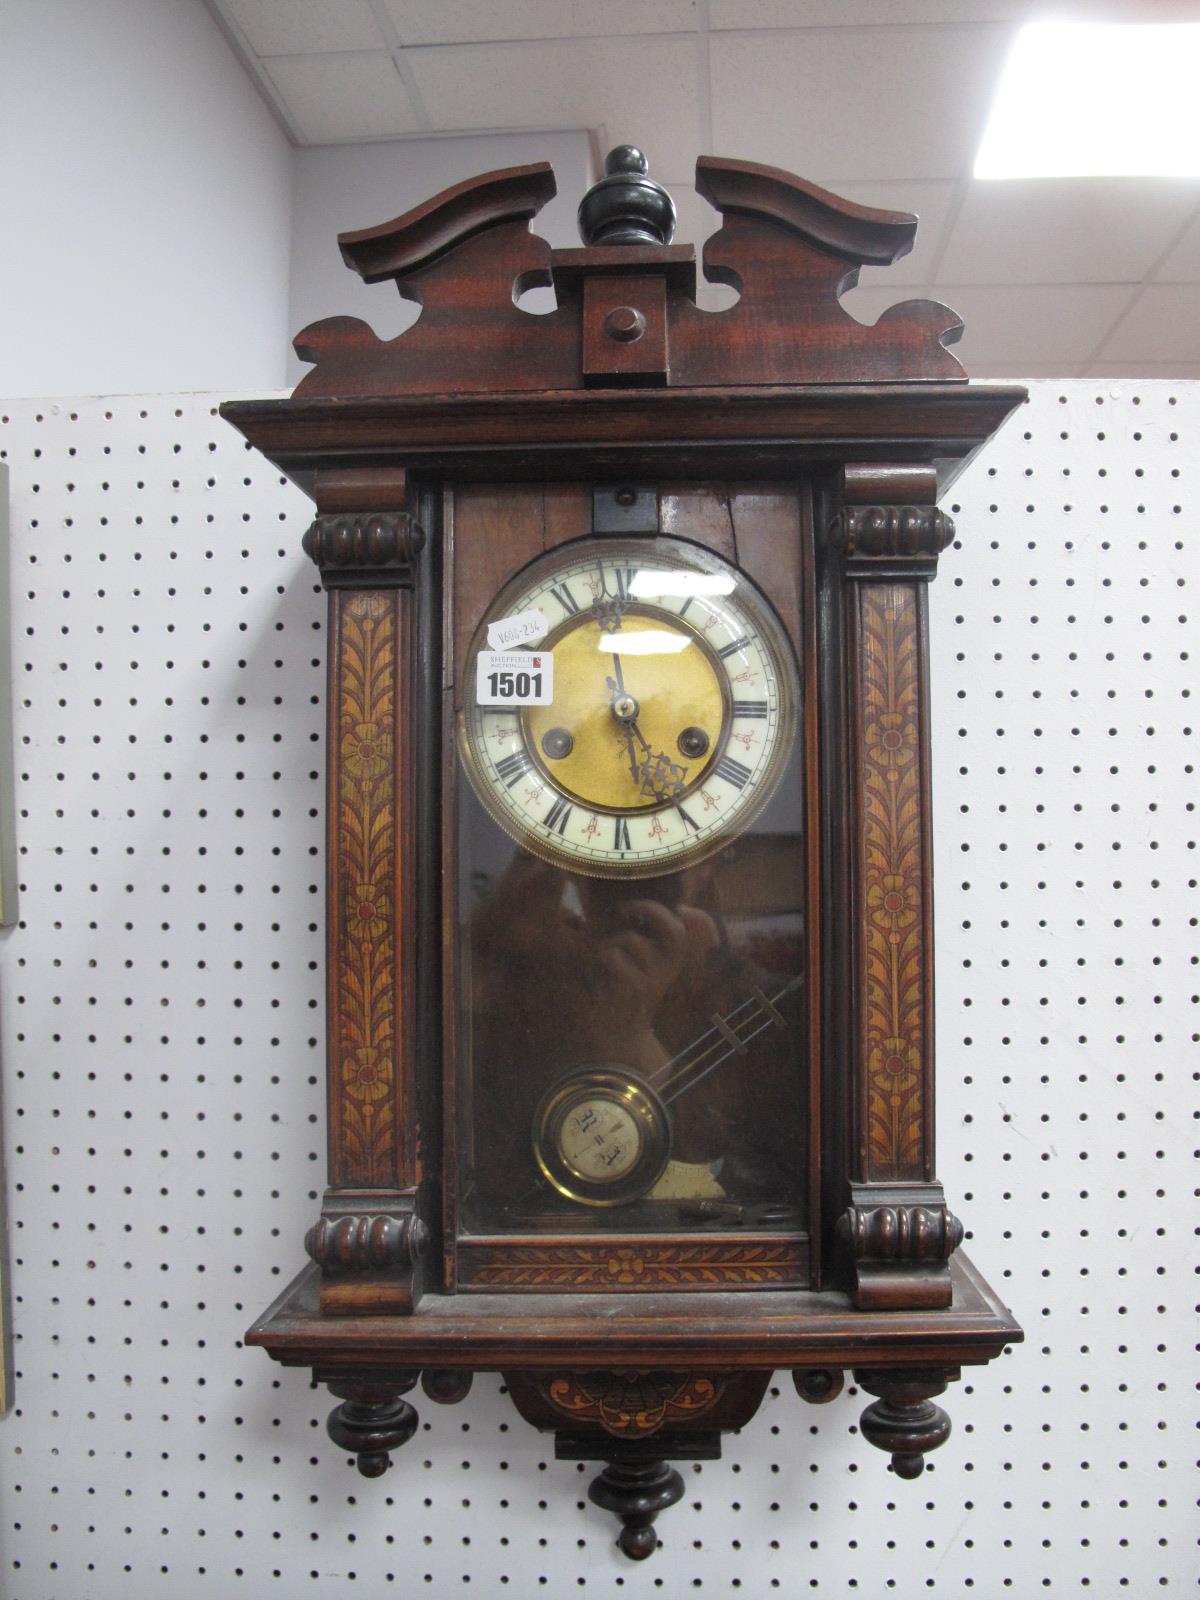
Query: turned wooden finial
x,y
626,206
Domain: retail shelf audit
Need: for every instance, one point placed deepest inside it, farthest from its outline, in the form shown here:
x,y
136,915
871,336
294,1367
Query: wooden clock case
x,y
806,448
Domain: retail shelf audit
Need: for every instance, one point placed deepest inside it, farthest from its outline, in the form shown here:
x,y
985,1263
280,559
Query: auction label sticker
x,y
514,678
527,627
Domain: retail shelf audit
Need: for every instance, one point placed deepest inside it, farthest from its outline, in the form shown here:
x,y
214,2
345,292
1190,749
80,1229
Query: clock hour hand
x,y
624,709
655,774
660,776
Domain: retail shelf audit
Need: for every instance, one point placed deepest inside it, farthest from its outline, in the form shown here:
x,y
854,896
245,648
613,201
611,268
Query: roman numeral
x,y
565,598
621,834
624,577
557,817
732,649
691,821
686,605
750,708
514,767
732,771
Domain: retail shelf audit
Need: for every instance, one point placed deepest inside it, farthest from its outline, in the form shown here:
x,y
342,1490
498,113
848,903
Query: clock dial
x,y
672,712
599,1139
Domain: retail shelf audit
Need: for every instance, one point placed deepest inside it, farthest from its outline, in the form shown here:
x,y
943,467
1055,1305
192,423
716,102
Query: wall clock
x,y
631,1088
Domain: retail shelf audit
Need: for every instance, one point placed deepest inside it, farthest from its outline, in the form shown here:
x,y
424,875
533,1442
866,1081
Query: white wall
x,y
339,187
163,234
161,1037
147,191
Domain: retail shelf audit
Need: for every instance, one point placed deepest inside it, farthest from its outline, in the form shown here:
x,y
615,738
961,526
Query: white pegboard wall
x,y
162,1051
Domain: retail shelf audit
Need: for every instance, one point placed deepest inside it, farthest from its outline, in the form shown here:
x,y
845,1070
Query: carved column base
x,y
904,1420
369,1248
899,1239
372,1420
636,1491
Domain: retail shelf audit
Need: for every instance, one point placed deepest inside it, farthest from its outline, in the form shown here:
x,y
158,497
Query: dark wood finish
x,y
863,234
606,1405
897,1230
781,1328
447,1385
408,244
599,1264
625,329
817,1385
370,1240
903,1420
626,207
810,451
790,248
758,432
372,1419
636,1491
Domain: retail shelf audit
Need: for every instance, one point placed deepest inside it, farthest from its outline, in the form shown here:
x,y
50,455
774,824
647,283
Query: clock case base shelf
x,y
638,1380
769,1331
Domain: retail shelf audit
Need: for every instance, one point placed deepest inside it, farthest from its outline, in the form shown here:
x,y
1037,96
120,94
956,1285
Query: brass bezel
x,y
787,681
622,1087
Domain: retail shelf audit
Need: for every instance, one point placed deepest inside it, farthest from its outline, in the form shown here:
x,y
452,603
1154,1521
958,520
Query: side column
x,y
896,1232
370,1240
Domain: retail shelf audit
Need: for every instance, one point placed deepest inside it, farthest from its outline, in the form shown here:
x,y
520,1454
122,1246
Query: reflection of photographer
x,y
573,971
587,978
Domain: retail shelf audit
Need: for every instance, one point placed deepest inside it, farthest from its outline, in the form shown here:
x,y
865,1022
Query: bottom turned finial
x,y
636,1491
904,1420
372,1421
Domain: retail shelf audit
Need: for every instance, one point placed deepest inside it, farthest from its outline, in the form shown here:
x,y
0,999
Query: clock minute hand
x,y
625,709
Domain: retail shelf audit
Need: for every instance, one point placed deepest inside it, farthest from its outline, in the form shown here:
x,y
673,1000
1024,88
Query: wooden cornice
x,y
409,243
738,432
862,234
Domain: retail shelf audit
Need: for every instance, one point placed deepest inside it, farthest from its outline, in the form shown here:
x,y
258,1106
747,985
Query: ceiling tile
x,y
857,13
335,97
298,27
856,103
642,91
1163,324
1065,230
733,14
1183,263
478,21
1059,325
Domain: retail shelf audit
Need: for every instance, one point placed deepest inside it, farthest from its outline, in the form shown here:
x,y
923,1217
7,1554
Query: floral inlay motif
x,y
892,911
365,871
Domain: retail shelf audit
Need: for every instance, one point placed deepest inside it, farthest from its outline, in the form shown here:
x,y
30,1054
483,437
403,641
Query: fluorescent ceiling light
x,y
1083,99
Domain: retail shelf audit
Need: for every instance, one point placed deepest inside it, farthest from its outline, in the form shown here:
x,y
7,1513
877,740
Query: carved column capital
x,y
891,541
366,549
889,526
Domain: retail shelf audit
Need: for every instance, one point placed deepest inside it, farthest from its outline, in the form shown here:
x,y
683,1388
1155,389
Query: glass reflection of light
x,y
649,584
643,644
